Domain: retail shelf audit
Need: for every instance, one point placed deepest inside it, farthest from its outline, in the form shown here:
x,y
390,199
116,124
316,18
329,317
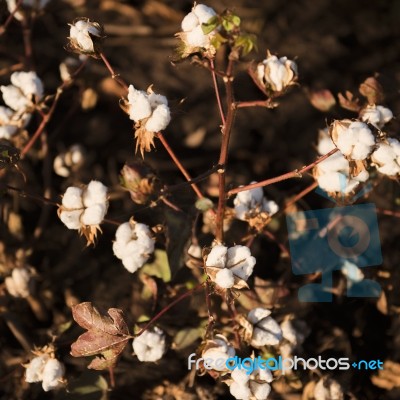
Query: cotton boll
x,y
94,215
241,261
265,375
95,193
28,82
258,313
150,345
189,22
260,390
325,143
203,13
217,257
224,278
356,142
288,331
133,262
390,169
159,119
377,116
266,330
82,33
52,374
197,38
71,219
157,99
336,162
139,104
240,376
34,371
328,389
239,391
19,283
124,233
72,198
6,129
384,153
336,182
14,98
218,349
270,207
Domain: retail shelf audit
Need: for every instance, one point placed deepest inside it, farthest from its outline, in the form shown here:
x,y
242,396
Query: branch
x,y
294,174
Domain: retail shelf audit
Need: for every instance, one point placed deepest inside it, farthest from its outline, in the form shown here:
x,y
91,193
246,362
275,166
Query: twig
x,y
48,115
217,95
294,174
391,213
113,74
223,158
4,27
165,309
181,168
300,195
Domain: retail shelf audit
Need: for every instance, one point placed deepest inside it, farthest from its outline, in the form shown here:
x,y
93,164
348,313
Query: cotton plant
x,y
334,174
262,329
25,91
84,209
354,139
254,386
20,283
8,126
36,5
217,351
376,115
151,114
45,368
328,389
276,74
253,207
386,157
150,346
230,267
133,245
70,160
294,333
193,36
85,37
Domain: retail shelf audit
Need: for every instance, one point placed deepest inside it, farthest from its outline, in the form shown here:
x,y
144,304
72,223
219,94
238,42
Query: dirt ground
x,y
337,44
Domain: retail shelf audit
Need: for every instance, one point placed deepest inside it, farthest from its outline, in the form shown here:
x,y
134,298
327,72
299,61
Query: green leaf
x,y
235,20
185,337
247,42
204,204
159,267
227,24
89,386
210,25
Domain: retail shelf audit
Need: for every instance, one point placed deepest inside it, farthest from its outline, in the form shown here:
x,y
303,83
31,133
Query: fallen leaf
x,y
105,336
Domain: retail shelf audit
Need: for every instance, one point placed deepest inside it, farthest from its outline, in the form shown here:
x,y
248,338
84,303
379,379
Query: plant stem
x,y
223,158
217,95
294,174
300,195
4,27
48,115
113,74
165,309
179,164
255,103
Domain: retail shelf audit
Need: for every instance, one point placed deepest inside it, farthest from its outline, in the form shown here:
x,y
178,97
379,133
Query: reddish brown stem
x,y
179,164
300,195
113,74
254,103
223,158
169,306
48,115
294,174
4,27
391,213
217,95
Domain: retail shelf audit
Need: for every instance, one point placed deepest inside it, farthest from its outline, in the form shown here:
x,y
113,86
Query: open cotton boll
x,y
6,127
260,390
72,198
14,98
28,82
270,207
239,391
377,116
203,13
189,22
337,182
19,283
157,99
240,376
53,373
34,371
124,233
266,330
225,278
217,257
140,106
328,389
356,142
133,262
240,261
217,351
95,193
150,345
71,219
325,144
94,215
159,120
